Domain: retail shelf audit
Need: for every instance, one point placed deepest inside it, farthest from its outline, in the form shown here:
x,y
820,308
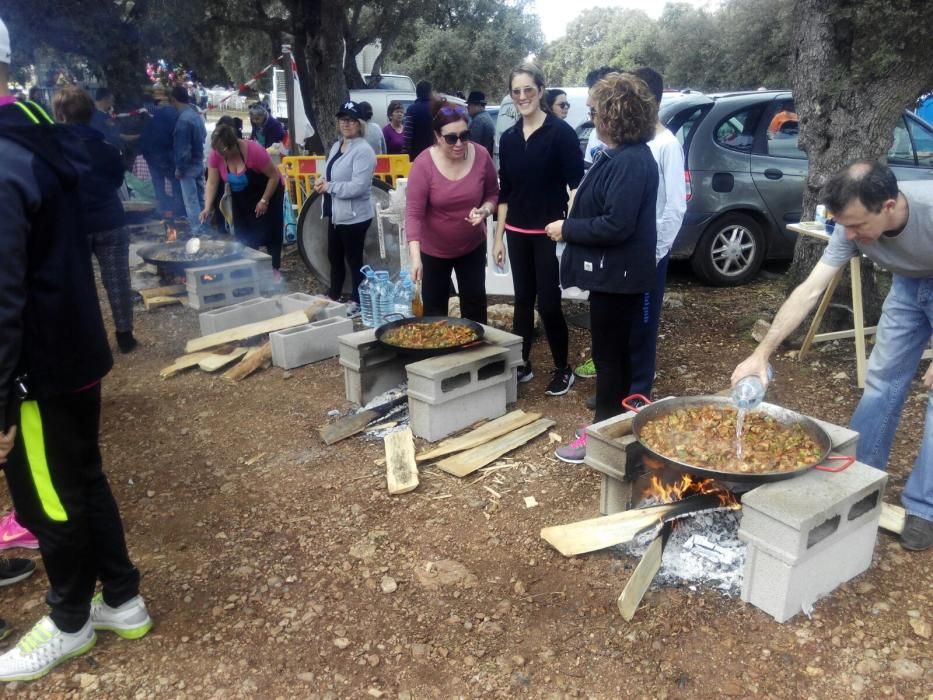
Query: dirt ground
x,y
266,556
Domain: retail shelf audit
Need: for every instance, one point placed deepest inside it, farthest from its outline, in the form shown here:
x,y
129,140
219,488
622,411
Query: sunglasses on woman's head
x,y
451,111
451,139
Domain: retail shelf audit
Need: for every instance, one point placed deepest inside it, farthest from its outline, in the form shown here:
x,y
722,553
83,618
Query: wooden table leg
x,y
856,274
820,312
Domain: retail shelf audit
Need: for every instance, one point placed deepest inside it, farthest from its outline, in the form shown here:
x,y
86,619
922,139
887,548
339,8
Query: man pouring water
x,y
893,226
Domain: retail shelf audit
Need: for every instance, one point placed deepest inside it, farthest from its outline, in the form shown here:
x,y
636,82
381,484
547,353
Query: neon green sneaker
x,y
43,648
131,620
587,370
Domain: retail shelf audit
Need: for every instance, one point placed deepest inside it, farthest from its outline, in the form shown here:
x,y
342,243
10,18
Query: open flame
x,y
208,278
688,486
171,234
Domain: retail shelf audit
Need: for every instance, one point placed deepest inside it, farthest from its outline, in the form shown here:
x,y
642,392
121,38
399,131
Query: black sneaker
x,y
918,534
15,570
525,374
125,341
560,382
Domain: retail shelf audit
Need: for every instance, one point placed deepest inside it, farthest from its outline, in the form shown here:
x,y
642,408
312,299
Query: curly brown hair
x,y
72,105
626,111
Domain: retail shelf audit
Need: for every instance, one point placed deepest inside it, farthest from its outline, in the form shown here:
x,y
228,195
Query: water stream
x,y
739,424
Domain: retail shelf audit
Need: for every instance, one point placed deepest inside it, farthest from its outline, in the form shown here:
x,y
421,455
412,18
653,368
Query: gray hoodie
x,y
350,182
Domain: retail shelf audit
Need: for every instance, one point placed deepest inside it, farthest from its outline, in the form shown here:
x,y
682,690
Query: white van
x,y
577,115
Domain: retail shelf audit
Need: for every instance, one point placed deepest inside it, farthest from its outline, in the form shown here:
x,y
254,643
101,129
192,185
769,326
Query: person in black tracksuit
x,y
53,355
539,161
611,236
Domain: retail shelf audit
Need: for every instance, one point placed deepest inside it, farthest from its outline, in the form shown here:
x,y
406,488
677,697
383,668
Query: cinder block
x,y
363,385
615,495
782,590
218,297
843,439
302,345
207,277
250,311
267,285
433,422
607,444
458,374
505,340
511,388
299,301
361,350
802,517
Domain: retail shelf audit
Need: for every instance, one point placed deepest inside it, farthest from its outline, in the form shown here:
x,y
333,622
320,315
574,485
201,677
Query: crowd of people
x,y
603,221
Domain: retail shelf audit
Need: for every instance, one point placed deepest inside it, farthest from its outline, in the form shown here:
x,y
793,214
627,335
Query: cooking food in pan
x,y
430,336
706,436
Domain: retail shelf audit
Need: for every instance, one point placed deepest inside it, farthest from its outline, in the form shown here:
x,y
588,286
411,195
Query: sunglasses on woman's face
x,y
451,139
523,91
563,105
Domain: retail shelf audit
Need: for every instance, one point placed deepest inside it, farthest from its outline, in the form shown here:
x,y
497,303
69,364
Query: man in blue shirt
x,y
157,144
189,138
102,120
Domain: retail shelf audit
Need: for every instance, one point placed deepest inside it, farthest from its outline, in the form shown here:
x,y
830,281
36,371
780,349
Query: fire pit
x,y
172,259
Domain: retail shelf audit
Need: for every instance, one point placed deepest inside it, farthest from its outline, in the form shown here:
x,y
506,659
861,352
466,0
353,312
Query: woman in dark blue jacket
x,y
103,211
611,236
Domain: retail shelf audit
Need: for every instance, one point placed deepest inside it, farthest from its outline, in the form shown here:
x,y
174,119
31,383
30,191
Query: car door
x,y
779,169
911,153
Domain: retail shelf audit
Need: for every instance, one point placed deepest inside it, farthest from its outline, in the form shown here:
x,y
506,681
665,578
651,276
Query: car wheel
x,y
730,251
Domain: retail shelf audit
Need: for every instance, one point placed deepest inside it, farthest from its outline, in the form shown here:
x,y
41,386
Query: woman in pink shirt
x,y
256,191
452,189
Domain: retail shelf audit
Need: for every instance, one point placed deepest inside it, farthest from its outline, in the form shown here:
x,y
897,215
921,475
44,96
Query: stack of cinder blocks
x,y
808,535
214,286
608,444
369,369
451,392
513,343
267,286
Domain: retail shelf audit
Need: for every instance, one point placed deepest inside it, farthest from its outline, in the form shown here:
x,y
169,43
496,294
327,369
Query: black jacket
x,y
611,233
103,210
51,329
418,132
534,175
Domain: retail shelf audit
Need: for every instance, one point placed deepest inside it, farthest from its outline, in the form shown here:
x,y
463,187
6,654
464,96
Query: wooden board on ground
x,y
152,303
643,575
256,358
478,436
249,330
214,362
478,457
169,291
401,470
351,425
606,531
184,362
892,518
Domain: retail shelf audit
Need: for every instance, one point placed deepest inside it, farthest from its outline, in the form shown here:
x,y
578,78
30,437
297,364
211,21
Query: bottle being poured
x,y
747,394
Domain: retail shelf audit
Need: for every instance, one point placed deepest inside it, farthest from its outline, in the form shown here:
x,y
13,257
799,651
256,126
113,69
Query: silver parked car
x,y
745,177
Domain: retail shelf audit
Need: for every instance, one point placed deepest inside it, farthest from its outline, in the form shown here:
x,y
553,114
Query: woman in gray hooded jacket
x,y
346,188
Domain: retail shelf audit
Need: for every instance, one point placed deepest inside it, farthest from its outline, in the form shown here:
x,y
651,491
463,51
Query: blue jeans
x,y
643,342
160,175
192,191
903,333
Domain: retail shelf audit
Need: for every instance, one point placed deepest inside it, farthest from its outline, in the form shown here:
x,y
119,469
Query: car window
x,y
901,151
922,139
683,123
737,131
783,129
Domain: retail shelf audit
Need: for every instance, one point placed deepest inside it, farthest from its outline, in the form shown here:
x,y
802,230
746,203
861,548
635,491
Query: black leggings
x,y
535,272
471,283
346,242
611,320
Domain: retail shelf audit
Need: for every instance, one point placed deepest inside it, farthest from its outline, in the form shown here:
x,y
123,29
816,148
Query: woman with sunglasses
x,y
452,189
539,162
558,103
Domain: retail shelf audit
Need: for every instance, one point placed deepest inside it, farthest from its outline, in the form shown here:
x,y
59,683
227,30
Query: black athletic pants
x,y
471,283
535,273
345,242
611,320
61,495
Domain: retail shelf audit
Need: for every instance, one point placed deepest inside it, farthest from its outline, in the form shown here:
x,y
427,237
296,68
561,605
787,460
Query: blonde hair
x,y
626,109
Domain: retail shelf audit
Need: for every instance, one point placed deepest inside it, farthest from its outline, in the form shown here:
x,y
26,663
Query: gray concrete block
x,y
511,388
235,273
782,590
607,443
801,517
250,311
615,495
433,422
299,301
302,345
361,350
505,340
222,296
267,285
363,385
458,374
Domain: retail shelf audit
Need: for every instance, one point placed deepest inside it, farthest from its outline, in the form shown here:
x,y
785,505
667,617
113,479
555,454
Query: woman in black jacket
x,y
611,236
539,161
102,209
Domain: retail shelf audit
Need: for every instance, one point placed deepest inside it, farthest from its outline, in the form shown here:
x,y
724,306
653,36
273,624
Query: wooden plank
x,y
485,433
249,330
478,457
214,362
855,272
170,290
401,470
843,335
820,312
643,575
351,425
892,518
256,358
152,303
182,363
606,531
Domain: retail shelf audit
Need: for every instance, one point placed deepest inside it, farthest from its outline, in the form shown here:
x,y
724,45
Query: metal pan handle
x,y
849,461
626,402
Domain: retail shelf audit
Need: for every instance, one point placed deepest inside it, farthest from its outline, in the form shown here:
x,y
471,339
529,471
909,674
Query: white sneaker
x,y
42,648
131,620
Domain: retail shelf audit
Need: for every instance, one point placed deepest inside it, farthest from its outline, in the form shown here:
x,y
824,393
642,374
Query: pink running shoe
x,y
12,534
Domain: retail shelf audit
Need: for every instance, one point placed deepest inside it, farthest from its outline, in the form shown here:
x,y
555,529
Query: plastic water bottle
x,y
383,297
404,293
749,391
820,215
367,286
